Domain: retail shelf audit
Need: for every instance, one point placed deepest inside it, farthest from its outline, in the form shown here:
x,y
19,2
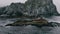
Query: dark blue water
x,y
28,29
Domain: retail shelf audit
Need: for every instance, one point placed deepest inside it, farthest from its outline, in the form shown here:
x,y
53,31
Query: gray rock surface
x,y
41,8
34,8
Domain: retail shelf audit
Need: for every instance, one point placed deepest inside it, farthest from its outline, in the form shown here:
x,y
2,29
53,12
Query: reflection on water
x,y
27,29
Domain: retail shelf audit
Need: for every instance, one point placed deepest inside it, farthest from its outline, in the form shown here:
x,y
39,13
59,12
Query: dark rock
x,y
54,24
51,24
40,8
2,9
35,8
15,9
14,25
40,23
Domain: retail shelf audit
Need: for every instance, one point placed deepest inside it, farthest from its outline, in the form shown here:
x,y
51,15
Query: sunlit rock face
x,y
41,8
34,8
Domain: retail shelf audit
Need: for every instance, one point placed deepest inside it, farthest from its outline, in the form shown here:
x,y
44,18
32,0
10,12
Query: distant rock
x,y
15,9
2,9
31,8
40,8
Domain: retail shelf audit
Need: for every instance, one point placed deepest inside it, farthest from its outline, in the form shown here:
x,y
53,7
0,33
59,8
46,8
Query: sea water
x,y
28,29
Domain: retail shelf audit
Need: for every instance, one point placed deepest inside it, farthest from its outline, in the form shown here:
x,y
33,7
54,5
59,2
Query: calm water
x,y
28,29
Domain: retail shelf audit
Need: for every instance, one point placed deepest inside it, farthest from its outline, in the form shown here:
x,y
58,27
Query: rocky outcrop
x,y
40,8
35,8
39,23
29,22
49,24
15,9
2,9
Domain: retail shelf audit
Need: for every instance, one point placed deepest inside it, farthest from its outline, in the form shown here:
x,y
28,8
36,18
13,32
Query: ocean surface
x,y
28,29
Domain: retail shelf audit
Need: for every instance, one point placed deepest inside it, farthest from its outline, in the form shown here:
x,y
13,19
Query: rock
x,y
50,24
15,9
33,8
37,22
54,24
44,8
15,24
40,21
2,9
26,23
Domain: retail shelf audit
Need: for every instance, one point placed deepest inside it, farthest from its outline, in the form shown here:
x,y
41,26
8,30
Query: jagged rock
x,y
2,9
40,8
35,8
15,9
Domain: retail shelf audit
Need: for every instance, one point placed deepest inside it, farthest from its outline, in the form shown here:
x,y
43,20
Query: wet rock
x,y
40,21
50,24
35,22
54,24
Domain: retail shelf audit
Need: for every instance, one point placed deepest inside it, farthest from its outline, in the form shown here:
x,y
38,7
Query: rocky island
x,y
32,9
